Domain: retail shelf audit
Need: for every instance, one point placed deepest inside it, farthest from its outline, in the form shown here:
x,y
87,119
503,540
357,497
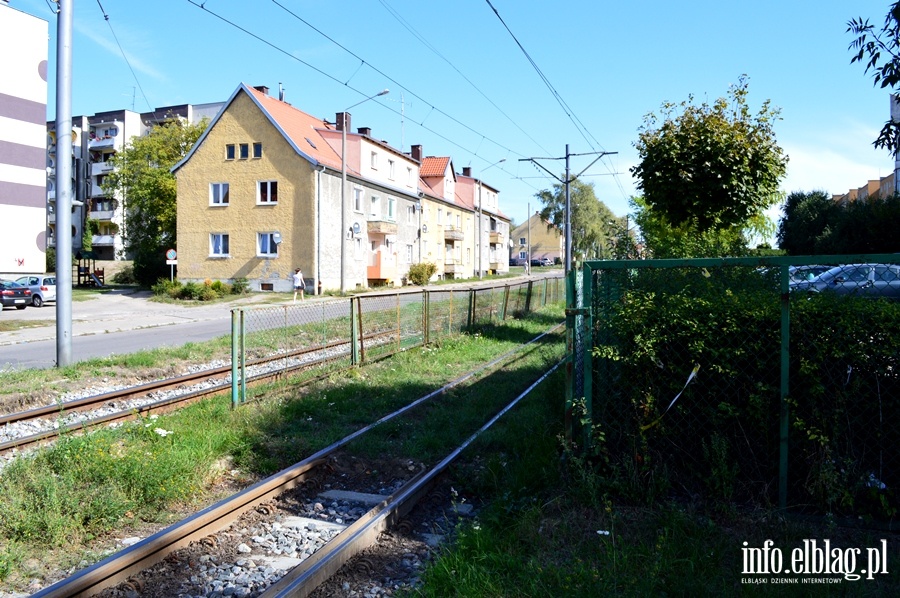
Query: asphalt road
x,y
121,322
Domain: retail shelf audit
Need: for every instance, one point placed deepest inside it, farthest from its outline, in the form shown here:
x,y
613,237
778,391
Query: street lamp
x,y
343,239
480,241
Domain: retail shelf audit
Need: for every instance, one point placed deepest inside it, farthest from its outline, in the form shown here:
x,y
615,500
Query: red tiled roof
x,y
301,128
432,166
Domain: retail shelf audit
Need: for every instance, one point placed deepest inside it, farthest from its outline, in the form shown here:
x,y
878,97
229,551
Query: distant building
x,y
96,139
536,239
492,226
23,158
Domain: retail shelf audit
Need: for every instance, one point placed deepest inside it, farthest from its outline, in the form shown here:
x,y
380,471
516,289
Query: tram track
x,y
139,402
120,572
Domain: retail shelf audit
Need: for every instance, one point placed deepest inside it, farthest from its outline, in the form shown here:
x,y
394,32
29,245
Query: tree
x,y
142,180
869,45
591,218
716,167
807,221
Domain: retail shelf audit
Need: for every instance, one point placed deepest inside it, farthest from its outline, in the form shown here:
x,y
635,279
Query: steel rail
x,y
119,567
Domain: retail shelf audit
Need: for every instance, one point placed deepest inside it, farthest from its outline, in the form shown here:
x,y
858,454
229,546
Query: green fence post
x,y
785,386
426,308
587,368
235,339
505,303
568,421
470,321
354,331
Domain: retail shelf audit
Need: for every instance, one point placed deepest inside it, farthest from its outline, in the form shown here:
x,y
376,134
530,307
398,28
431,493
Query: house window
x,y
523,255
218,245
229,151
522,241
409,176
376,207
409,254
357,199
257,150
245,151
374,160
391,207
218,194
267,192
411,215
266,245
439,213
459,222
391,169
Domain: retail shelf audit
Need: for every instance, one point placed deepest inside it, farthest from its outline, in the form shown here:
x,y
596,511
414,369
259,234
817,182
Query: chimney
x,y
416,153
280,92
340,122
364,131
262,89
467,171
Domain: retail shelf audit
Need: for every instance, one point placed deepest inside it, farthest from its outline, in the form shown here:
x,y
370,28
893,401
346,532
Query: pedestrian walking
x,y
298,284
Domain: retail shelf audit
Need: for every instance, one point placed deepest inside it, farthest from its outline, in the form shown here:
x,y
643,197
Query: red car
x,y
12,294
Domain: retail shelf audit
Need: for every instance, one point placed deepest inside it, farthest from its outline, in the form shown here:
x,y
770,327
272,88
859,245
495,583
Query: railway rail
x,y
125,573
138,401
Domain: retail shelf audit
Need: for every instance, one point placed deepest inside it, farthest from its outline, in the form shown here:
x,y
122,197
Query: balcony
x,y
106,142
382,266
98,168
451,233
103,240
495,266
453,267
495,238
379,225
102,214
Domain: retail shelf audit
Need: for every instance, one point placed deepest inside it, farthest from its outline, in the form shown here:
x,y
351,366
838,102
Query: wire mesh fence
x,y
769,381
335,334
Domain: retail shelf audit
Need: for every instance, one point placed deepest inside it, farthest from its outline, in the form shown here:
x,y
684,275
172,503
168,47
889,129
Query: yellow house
x,y
260,194
536,238
447,224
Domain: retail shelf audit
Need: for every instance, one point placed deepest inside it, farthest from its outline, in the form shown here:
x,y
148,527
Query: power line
x,y
124,57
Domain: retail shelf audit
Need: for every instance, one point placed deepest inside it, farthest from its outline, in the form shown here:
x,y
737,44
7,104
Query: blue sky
x,y
460,85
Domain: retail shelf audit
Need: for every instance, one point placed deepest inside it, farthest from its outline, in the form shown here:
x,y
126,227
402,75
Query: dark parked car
x,y
544,261
12,294
43,288
865,280
806,273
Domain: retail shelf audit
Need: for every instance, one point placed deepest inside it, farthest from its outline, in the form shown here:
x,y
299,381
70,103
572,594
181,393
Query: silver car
x,y
863,280
43,288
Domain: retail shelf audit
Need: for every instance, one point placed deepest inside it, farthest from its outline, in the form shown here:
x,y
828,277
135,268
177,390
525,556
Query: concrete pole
x,y
343,236
64,183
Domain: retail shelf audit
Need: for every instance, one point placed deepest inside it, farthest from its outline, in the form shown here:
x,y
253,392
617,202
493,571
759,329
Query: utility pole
x,y
64,183
565,181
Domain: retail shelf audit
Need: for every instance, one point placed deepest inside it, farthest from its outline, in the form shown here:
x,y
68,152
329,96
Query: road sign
x,y
171,255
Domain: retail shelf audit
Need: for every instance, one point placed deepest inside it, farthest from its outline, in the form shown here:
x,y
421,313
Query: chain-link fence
x,y
753,380
335,334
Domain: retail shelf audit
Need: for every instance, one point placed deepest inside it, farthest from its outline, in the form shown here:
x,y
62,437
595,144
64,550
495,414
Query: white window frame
x,y
223,243
522,241
374,161
375,207
270,185
230,149
411,215
257,150
218,194
391,208
409,253
357,199
440,216
267,239
390,169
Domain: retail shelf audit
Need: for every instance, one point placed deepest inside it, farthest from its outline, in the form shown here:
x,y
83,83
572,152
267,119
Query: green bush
x,y
125,276
240,286
191,290
167,288
420,274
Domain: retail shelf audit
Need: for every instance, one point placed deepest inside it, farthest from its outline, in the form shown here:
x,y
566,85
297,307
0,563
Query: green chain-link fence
x,y
745,380
335,334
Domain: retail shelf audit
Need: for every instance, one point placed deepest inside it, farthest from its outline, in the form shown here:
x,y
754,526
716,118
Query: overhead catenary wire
x,y
124,56
335,79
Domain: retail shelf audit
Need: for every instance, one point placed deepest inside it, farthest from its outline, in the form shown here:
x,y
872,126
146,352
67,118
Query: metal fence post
x,y
426,299
243,350
235,339
354,331
784,424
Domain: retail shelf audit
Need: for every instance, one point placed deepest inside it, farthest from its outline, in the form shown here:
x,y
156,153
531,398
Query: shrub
x,y
164,286
125,276
191,290
208,294
240,286
420,274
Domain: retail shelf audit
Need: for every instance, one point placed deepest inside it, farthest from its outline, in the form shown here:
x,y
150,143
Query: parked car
x,y
12,294
867,280
517,261
544,261
43,288
806,273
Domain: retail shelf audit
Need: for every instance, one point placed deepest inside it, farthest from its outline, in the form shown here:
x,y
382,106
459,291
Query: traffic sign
x,y
170,254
